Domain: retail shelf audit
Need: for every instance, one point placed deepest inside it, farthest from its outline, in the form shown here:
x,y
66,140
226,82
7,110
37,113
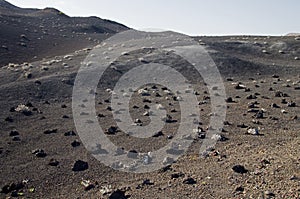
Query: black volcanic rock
x,y
239,169
80,165
189,181
118,194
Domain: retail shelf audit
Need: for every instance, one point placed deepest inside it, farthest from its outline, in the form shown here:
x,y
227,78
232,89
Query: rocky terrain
x,y
42,156
33,34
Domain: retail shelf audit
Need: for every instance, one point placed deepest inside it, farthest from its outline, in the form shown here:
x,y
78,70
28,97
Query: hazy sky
x,y
193,17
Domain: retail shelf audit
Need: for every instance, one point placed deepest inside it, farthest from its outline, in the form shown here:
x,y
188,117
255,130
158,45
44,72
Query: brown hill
x,y
293,34
33,34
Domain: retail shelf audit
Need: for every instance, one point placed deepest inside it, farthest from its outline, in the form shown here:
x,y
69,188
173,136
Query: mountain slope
x,y
33,34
